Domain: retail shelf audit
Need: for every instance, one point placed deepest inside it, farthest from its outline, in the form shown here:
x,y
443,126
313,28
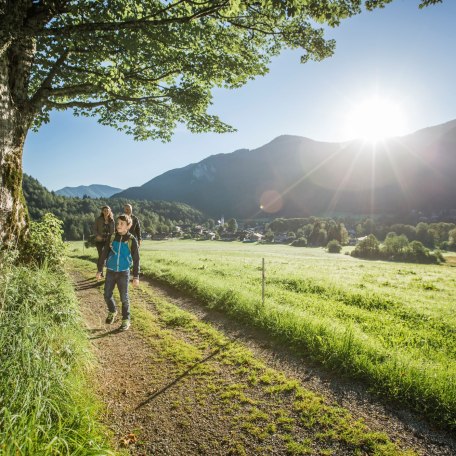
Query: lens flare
x,y
271,201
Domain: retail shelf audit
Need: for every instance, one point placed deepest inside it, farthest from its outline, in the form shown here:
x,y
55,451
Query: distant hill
x,y
92,191
295,176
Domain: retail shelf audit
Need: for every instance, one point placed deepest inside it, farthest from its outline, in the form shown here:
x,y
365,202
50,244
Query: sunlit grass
x,y
392,325
256,400
45,402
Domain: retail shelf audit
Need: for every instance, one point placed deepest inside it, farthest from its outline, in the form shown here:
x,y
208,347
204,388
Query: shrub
x,y
300,242
291,236
439,256
334,246
90,241
44,244
367,248
269,236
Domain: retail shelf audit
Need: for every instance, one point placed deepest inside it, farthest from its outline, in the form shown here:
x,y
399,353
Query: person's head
x,y
128,209
106,212
123,223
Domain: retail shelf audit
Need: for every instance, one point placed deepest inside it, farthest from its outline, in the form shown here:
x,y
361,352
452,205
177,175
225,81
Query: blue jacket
x,y
118,255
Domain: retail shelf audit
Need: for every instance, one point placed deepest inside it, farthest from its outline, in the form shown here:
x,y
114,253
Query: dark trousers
x,y
121,279
99,246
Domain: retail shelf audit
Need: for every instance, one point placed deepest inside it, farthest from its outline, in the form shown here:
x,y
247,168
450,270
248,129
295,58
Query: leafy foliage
x,y
299,242
143,67
334,246
44,244
315,230
367,248
396,248
232,225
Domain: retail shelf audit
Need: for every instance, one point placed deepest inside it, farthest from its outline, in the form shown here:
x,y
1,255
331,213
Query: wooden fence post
x,y
262,282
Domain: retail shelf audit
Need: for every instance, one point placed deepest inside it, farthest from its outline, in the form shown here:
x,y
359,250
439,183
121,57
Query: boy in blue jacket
x,y
120,252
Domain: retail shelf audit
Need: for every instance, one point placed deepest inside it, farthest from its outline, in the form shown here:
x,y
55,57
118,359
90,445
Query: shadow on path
x,y
106,334
180,377
87,284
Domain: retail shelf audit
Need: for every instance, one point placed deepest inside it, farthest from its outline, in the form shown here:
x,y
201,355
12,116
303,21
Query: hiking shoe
x,y
125,325
110,317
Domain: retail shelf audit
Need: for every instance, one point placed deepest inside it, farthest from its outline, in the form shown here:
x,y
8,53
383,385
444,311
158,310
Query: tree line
x,y
374,239
396,248
319,231
78,214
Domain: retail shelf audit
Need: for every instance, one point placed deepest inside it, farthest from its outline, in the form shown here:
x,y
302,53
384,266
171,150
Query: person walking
x,y
120,252
136,226
104,227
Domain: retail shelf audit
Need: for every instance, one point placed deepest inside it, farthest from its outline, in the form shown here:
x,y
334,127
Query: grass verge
x,y
46,405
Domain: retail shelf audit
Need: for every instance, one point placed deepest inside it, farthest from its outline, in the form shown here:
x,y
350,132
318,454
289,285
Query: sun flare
x,y
375,118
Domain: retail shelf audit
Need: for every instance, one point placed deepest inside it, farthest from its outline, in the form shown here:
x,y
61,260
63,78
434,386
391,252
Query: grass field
x,y
392,325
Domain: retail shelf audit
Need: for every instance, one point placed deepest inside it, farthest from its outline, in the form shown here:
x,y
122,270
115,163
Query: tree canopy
x,y
144,66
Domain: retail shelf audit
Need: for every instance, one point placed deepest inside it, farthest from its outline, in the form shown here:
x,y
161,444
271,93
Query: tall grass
x,y
45,403
391,325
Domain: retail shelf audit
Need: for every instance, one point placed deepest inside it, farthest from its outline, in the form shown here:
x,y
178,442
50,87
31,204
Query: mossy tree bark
x,y
15,120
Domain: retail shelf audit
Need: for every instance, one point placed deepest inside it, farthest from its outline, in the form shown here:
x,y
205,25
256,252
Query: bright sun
x,y
374,119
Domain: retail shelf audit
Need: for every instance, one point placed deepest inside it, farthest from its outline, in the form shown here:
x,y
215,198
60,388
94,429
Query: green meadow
x,y
391,325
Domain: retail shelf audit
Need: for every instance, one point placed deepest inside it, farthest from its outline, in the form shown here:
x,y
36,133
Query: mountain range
x,y
294,176
92,191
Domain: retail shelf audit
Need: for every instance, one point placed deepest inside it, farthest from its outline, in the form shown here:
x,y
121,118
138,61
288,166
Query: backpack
x,y
113,235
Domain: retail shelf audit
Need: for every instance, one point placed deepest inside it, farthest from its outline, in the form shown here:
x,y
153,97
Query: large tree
x,y
141,66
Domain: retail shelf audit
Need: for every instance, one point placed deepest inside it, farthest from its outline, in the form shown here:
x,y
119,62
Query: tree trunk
x,y
14,124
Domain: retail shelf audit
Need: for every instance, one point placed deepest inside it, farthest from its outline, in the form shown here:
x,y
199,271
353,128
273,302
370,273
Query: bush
x,y
300,242
396,248
269,236
367,248
439,256
44,244
90,241
334,246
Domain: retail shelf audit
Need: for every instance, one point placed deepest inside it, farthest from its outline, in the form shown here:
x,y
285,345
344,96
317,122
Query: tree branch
x,y
78,104
79,89
96,104
126,25
82,70
46,84
137,99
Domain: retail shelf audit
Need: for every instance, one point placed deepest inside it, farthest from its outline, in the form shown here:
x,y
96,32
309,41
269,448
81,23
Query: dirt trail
x,y
154,408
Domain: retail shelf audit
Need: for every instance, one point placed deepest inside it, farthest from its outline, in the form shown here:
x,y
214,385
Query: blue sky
x,y
398,53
